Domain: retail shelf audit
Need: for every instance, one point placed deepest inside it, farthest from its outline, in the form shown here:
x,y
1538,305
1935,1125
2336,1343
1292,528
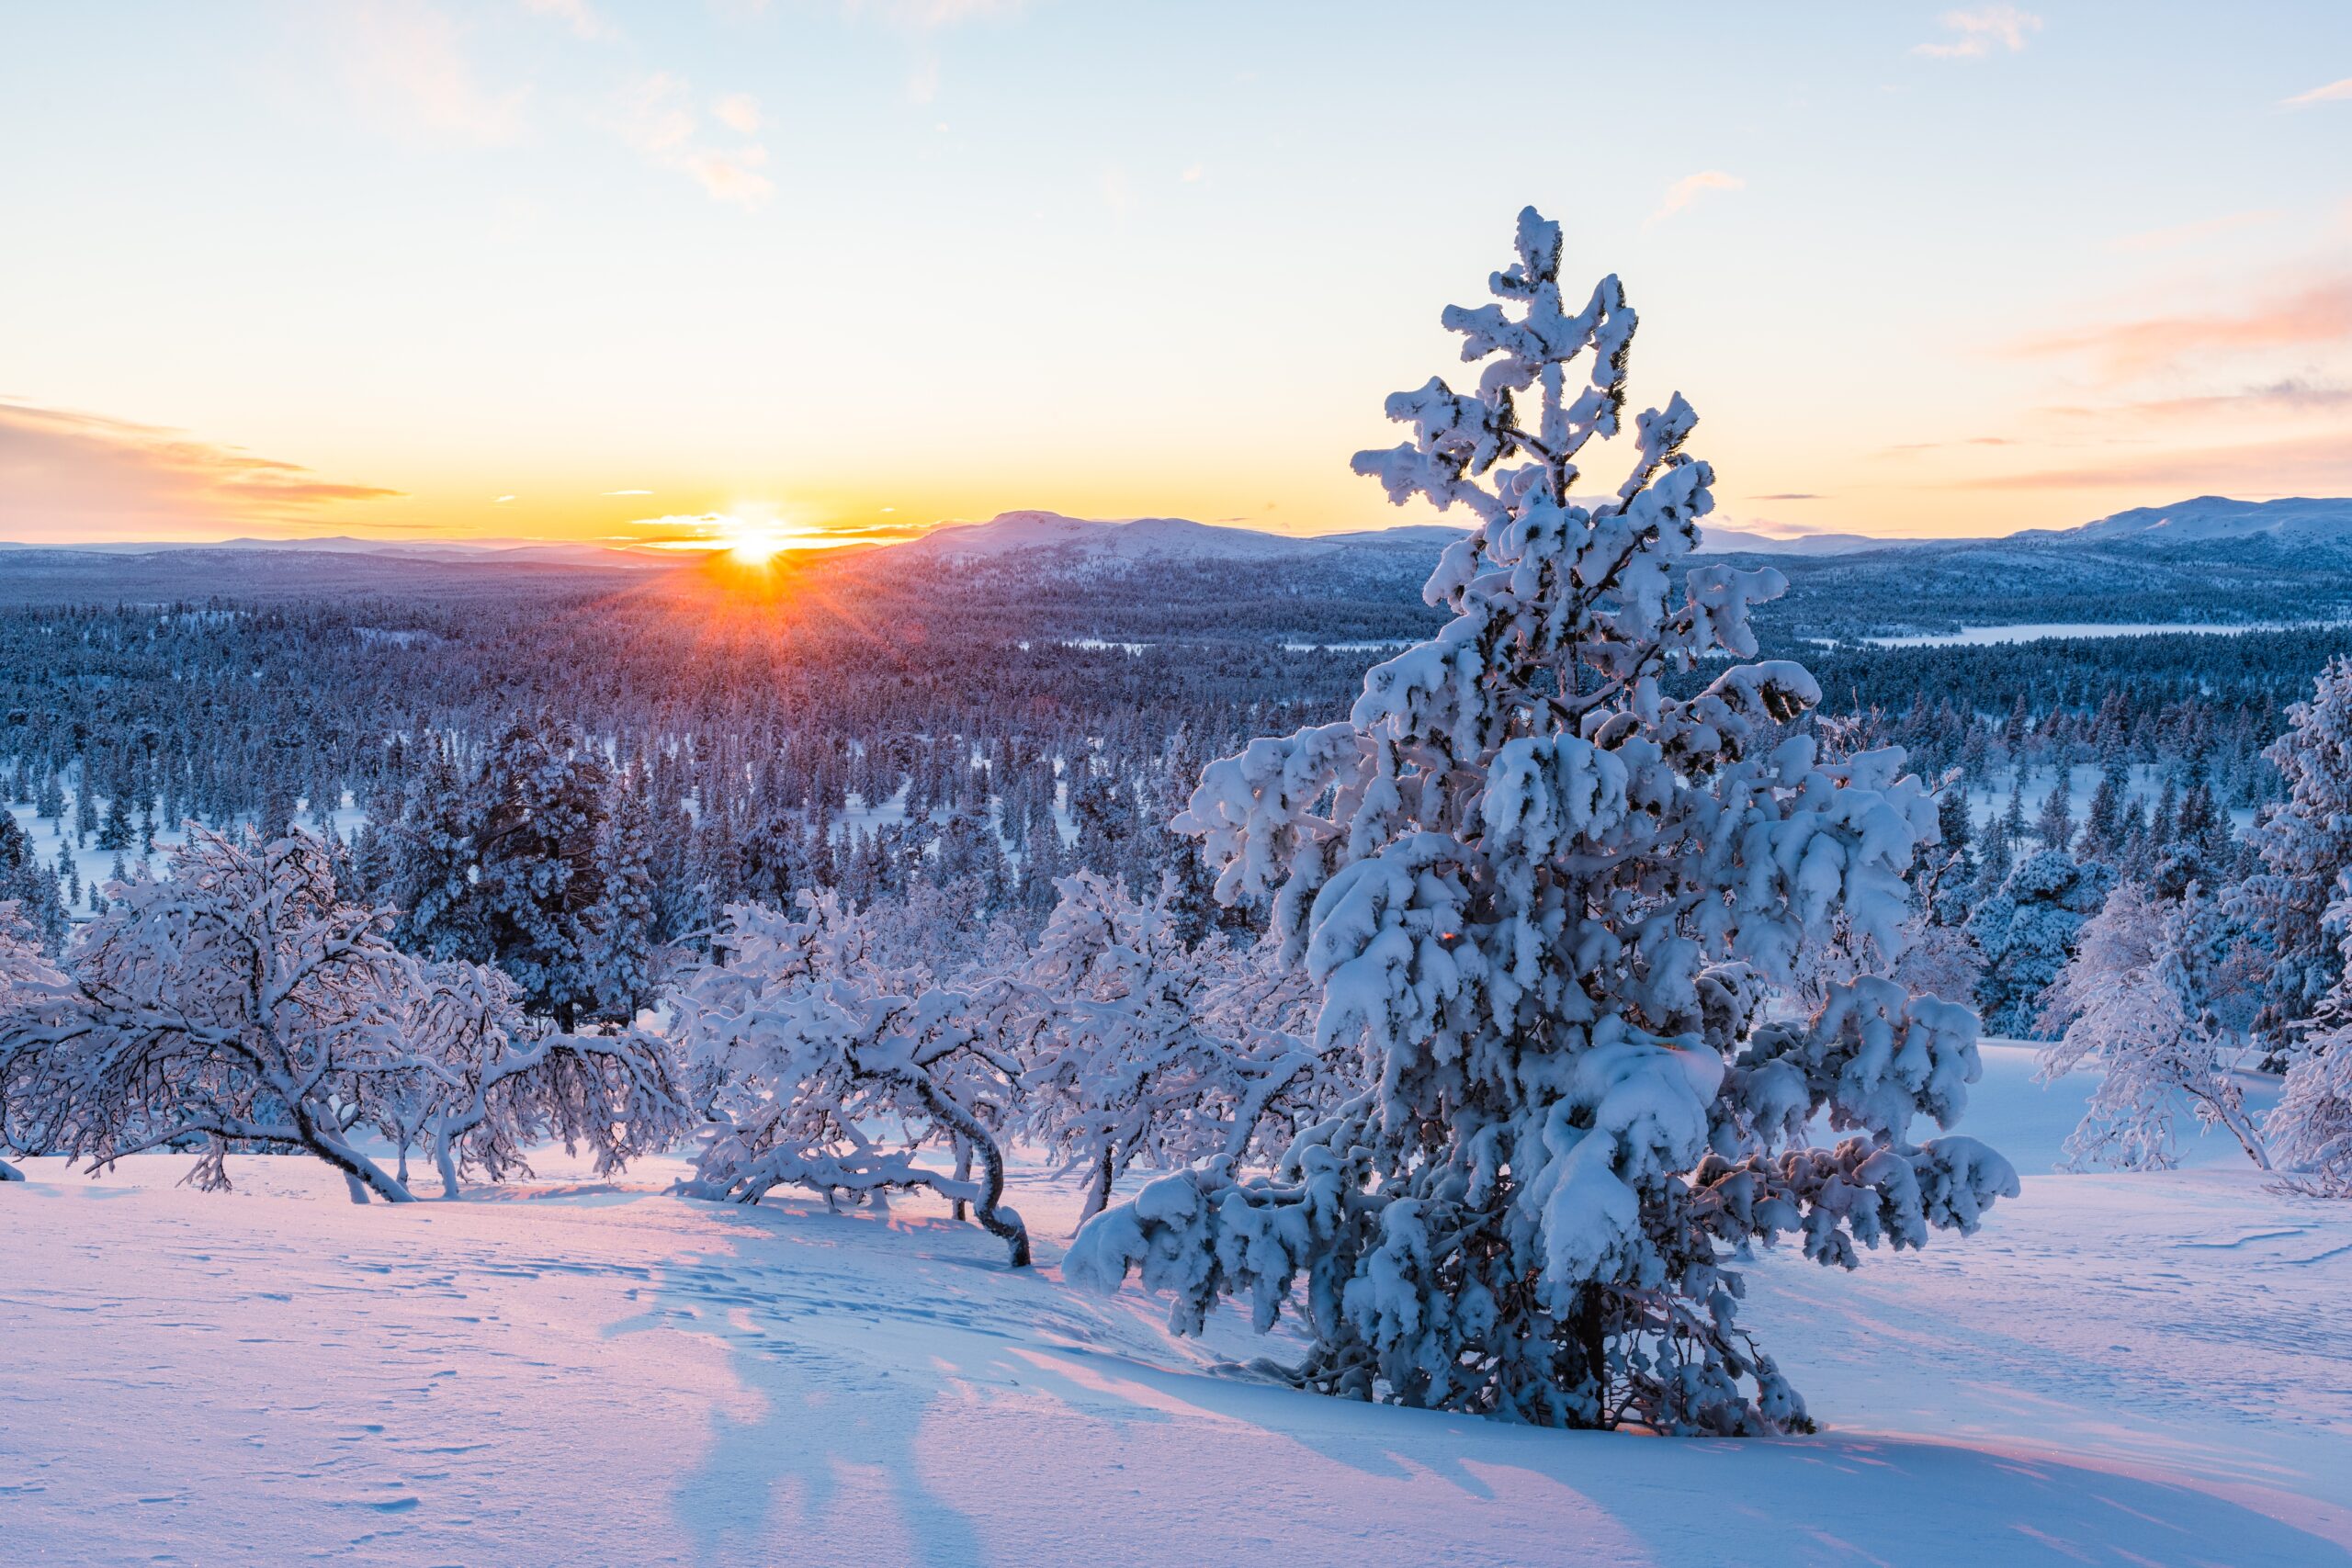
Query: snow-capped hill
x,y
1180,537
1144,537
1732,541
2209,517
1404,535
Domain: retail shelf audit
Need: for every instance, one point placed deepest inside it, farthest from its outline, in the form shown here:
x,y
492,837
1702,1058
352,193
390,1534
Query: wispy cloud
x,y
2181,234
1791,496
65,474
1977,33
928,16
407,65
1690,188
2334,93
1940,445
1118,191
628,493
739,112
657,117
577,14
2320,313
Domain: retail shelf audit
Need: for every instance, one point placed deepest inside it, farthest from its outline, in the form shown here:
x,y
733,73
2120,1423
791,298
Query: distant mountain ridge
x,y
2206,518
1178,537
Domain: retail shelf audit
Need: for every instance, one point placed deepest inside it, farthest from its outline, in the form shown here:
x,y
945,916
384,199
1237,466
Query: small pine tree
x,y
2026,931
2055,824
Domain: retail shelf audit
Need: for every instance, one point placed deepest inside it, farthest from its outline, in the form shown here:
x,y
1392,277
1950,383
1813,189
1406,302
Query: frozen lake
x,y
2053,631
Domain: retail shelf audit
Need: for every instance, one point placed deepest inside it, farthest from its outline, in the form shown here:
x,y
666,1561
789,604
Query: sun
x,y
754,541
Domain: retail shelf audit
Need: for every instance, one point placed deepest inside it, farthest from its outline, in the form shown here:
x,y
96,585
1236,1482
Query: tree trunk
x,y
362,1173
959,1209
999,1222
1098,1189
10,1173
445,1160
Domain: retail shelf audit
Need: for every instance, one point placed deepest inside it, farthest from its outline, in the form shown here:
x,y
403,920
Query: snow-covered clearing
x,y
2130,1368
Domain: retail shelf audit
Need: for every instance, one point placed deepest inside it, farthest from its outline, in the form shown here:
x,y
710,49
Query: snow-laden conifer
x,y
33,993
2026,931
1551,894
2301,898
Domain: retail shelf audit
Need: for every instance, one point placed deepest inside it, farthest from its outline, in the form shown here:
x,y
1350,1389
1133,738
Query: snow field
x,y
2119,1368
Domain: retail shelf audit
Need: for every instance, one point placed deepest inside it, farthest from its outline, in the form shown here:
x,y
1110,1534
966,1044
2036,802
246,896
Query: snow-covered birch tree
x,y
1128,1062
490,1081
816,1065
1551,894
237,1001
2128,1006
2311,1127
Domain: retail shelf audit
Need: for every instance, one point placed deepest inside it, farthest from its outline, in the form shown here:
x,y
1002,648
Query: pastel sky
x,y
568,268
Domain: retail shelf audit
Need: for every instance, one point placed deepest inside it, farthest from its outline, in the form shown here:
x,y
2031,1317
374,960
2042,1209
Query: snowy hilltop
x,y
1136,538
2295,520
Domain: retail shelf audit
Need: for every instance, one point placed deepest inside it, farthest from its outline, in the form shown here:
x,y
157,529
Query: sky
x,y
842,269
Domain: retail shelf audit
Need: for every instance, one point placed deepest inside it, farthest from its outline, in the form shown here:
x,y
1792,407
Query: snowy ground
x,y
2124,1369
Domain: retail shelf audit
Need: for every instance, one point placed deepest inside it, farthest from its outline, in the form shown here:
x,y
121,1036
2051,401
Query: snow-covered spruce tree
x,y
2127,1003
30,886
1552,895
816,1065
490,1081
32,993
239,1000
1127,1065
2027,930
2305,846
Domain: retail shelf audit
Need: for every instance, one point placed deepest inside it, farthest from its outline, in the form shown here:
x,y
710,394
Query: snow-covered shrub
x,y
1552,896
491,1080
816,1065
1128,1062
2127,1004
2027,930
239,1001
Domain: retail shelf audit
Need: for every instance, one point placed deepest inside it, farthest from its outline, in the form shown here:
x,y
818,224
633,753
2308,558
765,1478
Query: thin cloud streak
x,y
2303,465
2334,93
2293,395
2190,233
65,474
